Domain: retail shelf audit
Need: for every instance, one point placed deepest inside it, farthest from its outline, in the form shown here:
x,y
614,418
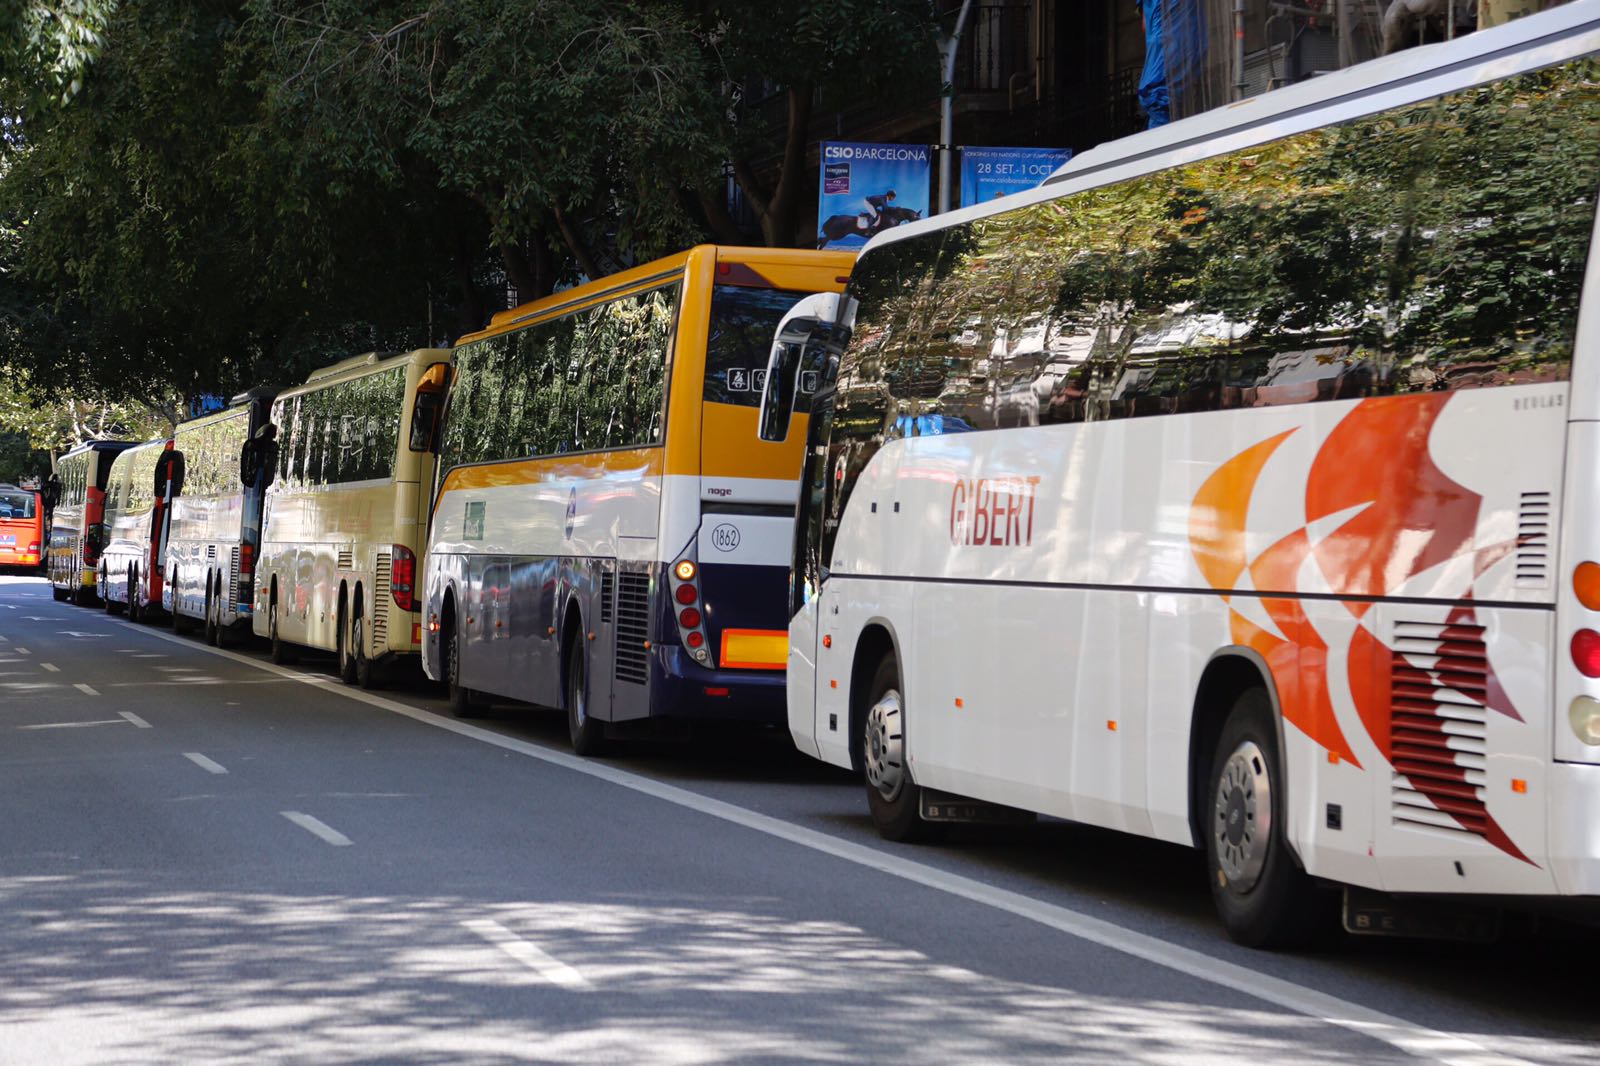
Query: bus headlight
x,y
1584,716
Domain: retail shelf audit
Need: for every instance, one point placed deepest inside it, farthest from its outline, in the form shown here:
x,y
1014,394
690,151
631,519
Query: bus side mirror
x,y
169,473
426,412
803,350
52,491
258,458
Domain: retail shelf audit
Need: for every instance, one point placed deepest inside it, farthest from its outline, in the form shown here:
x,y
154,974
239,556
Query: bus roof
x,y
100,446
1528,43
736,264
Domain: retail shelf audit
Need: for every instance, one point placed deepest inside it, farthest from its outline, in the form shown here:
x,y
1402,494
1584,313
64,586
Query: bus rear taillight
x,y
247,560
1586,652
402,577
1584,715
690,620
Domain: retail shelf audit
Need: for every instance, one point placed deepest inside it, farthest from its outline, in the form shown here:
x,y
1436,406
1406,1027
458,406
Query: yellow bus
x,y
610,536
138,503
76,493
215,528
347,500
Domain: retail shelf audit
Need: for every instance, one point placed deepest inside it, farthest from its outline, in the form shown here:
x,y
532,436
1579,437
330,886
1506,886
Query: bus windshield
x,y
740,337
16,504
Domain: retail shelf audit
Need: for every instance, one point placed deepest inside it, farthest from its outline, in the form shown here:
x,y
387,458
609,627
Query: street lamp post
x,y
947,92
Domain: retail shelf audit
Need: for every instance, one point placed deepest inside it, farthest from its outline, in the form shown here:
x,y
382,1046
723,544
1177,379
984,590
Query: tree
x,y
836,53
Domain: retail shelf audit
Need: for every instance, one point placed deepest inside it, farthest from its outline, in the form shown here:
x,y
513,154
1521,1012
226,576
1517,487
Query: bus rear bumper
x,y
1574,828
685,689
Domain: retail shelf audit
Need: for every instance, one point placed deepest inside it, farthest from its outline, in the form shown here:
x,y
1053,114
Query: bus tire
x,y
366,673
209,623
464,703
83,596
588,735
112,607
893,797
57,593
135,612
282,650
341,644
1262,896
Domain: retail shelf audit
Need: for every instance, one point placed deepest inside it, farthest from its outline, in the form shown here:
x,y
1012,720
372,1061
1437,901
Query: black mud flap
x,y
1369,913
948,807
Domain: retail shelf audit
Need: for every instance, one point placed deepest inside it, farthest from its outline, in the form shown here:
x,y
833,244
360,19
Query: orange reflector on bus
x,y
754,649
1586,583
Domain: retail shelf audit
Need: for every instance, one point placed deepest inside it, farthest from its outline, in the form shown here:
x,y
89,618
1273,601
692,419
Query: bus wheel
x,y
209,624
895,799
282,650
83,597
180,622
464,703
135,612
57,593
366,672
588,734
1263,898
112,607
341,645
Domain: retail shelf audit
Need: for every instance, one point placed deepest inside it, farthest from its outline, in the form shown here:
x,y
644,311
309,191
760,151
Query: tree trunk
x,y
713,208
578,246
520,271
783,209
474,313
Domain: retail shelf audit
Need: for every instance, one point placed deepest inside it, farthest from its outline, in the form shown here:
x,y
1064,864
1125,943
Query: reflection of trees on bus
x,y
1436,246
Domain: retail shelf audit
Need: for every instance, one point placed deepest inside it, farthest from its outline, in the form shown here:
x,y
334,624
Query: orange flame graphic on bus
x,y
1395,515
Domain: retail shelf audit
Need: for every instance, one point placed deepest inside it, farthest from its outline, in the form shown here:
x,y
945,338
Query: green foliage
x,y
45,47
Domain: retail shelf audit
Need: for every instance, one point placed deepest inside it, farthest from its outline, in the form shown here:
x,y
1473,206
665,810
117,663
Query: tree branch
x,y
578,246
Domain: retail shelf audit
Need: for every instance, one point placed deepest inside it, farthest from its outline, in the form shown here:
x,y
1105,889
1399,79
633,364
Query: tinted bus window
x,y
592,379
742,324
1436,246
16,504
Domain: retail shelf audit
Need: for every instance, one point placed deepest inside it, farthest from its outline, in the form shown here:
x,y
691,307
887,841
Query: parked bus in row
x,y
76,493
215,528
1238,488
138,502
346,506
22,514
608,536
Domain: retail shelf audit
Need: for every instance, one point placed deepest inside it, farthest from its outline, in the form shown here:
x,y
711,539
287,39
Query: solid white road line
x,y
74,725
550,968
1437,1045
52,667
136,720
87,690
208,765
318,828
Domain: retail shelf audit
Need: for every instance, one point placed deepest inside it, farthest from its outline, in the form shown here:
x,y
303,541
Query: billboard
x,y
869,187
990,172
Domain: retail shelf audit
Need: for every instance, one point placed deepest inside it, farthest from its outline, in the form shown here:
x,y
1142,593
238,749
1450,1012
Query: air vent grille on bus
x,y
233,578
633,627
346,560
1439,687
608,597
1533,540
380,602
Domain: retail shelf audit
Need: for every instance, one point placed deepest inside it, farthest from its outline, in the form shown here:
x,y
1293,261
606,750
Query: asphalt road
x,y
206,858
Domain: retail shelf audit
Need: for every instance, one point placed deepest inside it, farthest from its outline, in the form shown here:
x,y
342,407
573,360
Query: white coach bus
x,y
215,528
346,507
1238,488
138,503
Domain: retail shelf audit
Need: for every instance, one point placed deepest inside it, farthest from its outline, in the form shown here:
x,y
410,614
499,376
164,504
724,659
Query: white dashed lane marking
x,y
317,827
547,966
208,765
136,720
87,690
52,667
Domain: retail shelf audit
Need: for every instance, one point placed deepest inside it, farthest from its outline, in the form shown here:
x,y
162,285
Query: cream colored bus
x,y
138,503
346,508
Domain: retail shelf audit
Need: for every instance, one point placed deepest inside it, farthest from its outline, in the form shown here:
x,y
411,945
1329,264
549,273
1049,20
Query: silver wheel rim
x,y
580,712
1242,823
884,746
358,644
